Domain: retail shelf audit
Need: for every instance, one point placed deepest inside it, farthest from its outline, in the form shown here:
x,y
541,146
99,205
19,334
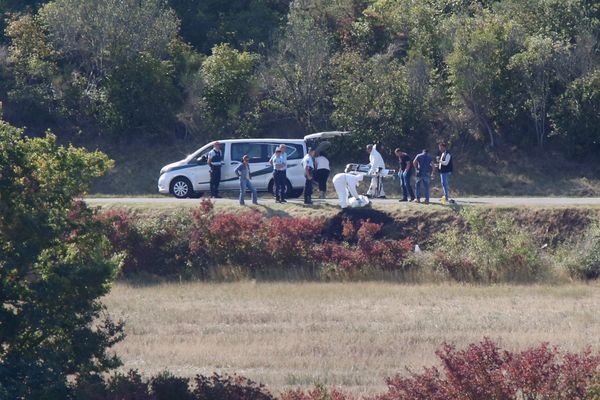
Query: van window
x,y
294,151
256,151
201,159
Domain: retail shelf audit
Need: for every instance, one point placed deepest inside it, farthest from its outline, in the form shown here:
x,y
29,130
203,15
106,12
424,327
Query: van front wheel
x,y
181,188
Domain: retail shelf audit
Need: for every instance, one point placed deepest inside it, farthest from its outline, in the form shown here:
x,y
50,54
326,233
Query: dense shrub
x,y
584,256
131,386
481,371
484,371
249,240
496,252
153,246
318,393
218,387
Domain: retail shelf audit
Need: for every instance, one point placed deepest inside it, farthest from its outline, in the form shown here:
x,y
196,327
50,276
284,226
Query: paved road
x,y
491,201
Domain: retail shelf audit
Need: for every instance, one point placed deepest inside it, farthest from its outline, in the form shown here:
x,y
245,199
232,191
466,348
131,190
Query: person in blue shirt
x,y
423,164
215,162
279,163
308,163
243,172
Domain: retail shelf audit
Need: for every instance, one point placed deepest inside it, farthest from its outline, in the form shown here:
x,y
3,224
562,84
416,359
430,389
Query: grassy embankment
x,y
347,334
290,334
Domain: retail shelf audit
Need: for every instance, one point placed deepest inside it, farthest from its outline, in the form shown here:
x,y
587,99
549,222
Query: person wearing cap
x,y
423,164
215,161
345,184
279,163
308,163
243,172
376,164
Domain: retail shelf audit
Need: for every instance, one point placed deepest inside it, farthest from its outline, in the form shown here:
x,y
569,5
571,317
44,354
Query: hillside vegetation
x,y
509,76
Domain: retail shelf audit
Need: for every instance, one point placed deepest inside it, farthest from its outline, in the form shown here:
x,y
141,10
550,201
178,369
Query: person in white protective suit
x,y
376,164
345,185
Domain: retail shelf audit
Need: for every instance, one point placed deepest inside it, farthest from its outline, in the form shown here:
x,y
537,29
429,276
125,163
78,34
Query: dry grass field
x,y
343,334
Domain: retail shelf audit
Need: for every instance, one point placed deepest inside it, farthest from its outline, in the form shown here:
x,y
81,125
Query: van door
x,y
260,168
199,175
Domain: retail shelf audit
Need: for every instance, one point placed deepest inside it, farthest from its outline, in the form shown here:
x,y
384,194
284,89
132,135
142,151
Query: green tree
x,y
296,75
477,70
576,116
33,67
54,268
381,100
228,78
240,23
142,96
538,66
98,36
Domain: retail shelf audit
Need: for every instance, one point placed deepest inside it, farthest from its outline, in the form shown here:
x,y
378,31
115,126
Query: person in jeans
x,y
279,163
445,167
215,161
423,164
322,173
308,163
405,174
243,172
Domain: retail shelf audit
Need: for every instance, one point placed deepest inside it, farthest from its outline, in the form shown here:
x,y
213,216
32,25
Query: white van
x,y
190,177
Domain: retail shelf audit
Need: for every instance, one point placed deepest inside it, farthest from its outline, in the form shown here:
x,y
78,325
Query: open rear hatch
x,y
318,142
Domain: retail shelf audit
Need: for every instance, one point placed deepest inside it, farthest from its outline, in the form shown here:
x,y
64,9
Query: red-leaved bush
x,y
318,393
481,371
249,240
367,252
484,371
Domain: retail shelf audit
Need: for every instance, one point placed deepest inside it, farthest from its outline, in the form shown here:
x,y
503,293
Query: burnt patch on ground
x,y
333,226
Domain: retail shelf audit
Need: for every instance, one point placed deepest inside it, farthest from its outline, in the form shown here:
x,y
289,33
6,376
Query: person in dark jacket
x,y
215,161
243,172
445,168
423,164
308,163
405,174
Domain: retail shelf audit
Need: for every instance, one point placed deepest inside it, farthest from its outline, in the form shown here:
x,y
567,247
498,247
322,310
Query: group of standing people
x,y
316,170
423,167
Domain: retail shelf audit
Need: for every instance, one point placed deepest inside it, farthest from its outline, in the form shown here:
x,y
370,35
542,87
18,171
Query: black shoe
x,y
402,200
277,201
283,201
382,197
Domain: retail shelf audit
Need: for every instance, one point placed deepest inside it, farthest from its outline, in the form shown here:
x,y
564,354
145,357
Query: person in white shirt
x,y
279,163
376,164
322,173
345,185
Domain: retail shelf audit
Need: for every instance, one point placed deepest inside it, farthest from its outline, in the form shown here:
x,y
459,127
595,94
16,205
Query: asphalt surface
x,y
490,201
